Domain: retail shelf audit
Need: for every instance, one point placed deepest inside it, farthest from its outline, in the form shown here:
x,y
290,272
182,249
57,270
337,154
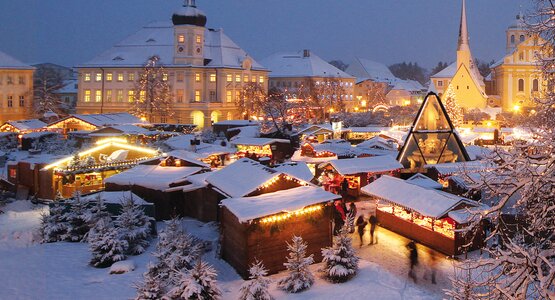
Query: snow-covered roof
x,y
38,134
257,141
461,167
123,129
152,176
236,123
296,64
250,208
107,119
447,72
424,181
297,157
365,129
157,39
8,62
408,85
477,152
379,142
115,197
367,69
70,87
241,177
25,125
298,169
427,202
183,142
374,164
246,132
188,156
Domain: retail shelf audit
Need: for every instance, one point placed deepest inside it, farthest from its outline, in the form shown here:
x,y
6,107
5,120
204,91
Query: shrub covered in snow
x,y
77,225
257,287
299,278
133,226
341,262
149,289
198,283
121,267
53,225
105,244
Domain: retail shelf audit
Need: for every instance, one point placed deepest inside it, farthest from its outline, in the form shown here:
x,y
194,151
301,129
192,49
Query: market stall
x,y
256,148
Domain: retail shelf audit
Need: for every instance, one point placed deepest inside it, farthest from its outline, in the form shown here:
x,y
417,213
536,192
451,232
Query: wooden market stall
x,y
258,228
256,148
90,122
428,216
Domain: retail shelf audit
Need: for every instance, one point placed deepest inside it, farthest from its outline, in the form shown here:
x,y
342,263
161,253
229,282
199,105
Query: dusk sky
x,y
71,32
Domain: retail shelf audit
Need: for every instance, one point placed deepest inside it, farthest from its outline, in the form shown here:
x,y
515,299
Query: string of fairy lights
x,y
287,215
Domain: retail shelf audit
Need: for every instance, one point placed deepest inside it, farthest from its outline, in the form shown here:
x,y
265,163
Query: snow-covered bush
x,y
76,218
198,283
53,225
341,262
105,244
299,278
257,287
95,213
149,289
133,226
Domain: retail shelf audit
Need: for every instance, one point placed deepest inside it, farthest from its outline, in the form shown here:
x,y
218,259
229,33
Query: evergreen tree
x,y
341,262
53,224
257,287
75,161
149,289
299,278
105,244
133,226
97,212
198,283
76,218
454,111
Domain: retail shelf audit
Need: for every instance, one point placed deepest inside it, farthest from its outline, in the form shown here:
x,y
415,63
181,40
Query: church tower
x,y
516,33
188,24
463,48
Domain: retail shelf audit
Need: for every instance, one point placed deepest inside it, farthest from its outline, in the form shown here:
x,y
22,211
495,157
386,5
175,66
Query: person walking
x,y
361,224
338,217
413,259
373,220
433,265
351,215
344,188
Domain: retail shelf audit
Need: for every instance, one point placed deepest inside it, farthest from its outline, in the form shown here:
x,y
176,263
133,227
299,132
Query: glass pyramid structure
x,y
432,138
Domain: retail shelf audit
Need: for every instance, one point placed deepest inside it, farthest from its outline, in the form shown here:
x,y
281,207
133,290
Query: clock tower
x,y
188,23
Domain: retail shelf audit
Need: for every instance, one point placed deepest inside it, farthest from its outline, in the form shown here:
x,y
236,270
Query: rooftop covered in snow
x,y
152,176
26,125
424,181
375,164
101,120
367,69
9,62
257,141
115,197
301,64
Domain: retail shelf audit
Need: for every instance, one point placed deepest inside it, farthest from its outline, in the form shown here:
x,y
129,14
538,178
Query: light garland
x,y
288,215
275,179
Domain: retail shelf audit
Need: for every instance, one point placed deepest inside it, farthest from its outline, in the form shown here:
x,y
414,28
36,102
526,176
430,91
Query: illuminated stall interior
x,y
256,148
90,122
431,139
87,170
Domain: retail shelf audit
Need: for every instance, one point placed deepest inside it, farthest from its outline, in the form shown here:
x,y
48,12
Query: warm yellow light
x,y
143,119
406,102
419,100
363,103
488,124
356,108
331,110
287,215
516,107
111,140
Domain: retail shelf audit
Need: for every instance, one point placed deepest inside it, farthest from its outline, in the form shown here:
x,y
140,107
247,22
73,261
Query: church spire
x,y
463,31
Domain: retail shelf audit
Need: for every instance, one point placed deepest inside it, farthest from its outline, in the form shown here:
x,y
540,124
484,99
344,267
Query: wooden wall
x,y
202,204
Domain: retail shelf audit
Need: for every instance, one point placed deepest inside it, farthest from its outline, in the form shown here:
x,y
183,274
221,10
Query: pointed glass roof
x,y
432,138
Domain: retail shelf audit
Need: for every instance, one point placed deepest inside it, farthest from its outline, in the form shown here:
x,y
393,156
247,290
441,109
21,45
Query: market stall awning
x,y
374,164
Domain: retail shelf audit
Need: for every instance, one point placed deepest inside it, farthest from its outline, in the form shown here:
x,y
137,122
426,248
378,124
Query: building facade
x,y
16,89
205,69
374,81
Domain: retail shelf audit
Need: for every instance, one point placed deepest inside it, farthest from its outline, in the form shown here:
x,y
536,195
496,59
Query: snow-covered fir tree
x,y
76,218
75,161
133,226
197,283
149,289
299,278
97,212
53,224
257,287
340,260
453,109
105,244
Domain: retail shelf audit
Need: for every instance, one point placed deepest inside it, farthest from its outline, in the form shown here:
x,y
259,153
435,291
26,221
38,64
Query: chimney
x,y
306,53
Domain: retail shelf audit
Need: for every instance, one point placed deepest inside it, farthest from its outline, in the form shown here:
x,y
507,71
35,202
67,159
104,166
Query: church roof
x,y
157,39
448,72
301,64
8,62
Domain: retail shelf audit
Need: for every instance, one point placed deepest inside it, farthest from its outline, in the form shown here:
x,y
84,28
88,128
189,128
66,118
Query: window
x,y
119,96
179,96
228,96
21,101
198,39
261,79
246,78
9,80
120,77
237,95
237,78
165,77
535,85
197,96
131,77
180,76
142,96
108,76
13,173
10,101
21,80
253,78
212,77
98,96
98,77
87,77
197,77
521,56
131,96
521,85
212,96
522,38
512,39
87,97
109,95
181,39
229,78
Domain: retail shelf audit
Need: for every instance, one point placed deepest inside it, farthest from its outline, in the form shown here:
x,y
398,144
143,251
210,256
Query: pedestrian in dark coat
x,y
373,222
413,259
338,217
351,215
344,187
361,224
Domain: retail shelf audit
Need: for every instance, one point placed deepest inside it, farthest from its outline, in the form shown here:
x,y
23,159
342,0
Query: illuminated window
x,y
197,77
131,96
261,79
87,77
108,76
237,78
10,101
181,38
119,97
229,78
120,77
165,77
21,101
131,77
180,76
212,77
142,96
179,96
98,77
253,78
197,96
237,95
13,173
109,95
246,78
229,96
98,96
198,39
87,97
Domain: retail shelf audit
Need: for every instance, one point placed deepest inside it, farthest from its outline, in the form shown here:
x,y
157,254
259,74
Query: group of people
x,y
344,215
413,261
361,225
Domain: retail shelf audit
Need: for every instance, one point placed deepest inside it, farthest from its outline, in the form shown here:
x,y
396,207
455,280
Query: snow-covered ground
x,y
29,270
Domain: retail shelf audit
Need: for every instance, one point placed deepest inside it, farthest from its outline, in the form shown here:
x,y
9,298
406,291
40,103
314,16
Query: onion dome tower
x,y
189,26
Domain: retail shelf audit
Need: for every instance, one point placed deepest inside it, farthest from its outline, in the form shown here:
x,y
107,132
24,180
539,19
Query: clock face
x,y
180,49
198,50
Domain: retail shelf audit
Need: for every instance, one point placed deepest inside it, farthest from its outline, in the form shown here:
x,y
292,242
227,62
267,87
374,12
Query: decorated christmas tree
x,y
133,226
454,111
341,262
105,244
299,278
257,287
198,283
53,224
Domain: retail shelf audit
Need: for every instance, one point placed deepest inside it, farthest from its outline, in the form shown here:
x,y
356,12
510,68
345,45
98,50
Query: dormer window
x,y
181,39
117,58
151,40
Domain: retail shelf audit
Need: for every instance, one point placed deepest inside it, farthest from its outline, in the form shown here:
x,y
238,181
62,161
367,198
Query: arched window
x,y
215,116
522,38
198,118
512,39
521,85
535,85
